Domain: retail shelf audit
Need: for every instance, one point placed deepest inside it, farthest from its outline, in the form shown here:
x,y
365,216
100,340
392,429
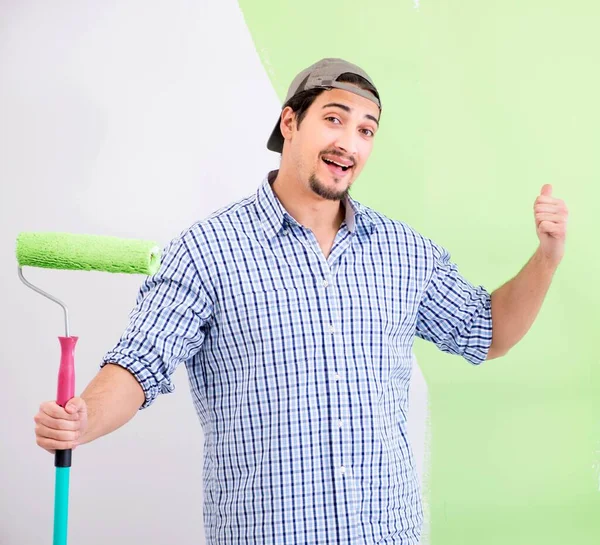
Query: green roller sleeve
x,y
87,253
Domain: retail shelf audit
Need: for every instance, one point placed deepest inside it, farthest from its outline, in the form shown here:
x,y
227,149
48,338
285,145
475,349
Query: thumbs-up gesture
x,y
551,215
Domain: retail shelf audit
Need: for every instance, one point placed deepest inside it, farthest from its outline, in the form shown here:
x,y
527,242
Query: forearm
x,y
113,398
516,304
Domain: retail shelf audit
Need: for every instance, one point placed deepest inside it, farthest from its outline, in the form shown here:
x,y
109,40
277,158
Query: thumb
x,y
74,405
547,190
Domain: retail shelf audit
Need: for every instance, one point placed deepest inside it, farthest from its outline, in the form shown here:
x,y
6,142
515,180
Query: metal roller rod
x,y
48,296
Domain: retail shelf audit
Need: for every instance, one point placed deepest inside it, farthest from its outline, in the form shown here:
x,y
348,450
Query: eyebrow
x,y
348,109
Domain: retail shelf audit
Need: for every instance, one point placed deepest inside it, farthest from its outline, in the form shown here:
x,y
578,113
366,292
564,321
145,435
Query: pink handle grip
x,y
66,371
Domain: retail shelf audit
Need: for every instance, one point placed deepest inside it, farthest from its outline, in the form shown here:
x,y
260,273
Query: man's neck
x,y
321,216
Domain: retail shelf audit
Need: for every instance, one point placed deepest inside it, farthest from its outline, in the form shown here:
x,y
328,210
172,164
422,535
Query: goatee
x,y
323,191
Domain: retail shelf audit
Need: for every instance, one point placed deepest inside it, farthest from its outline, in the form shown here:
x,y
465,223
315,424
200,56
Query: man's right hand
x,y
58,428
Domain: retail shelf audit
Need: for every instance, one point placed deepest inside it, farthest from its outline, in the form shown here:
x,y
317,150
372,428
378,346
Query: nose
x,y
347,143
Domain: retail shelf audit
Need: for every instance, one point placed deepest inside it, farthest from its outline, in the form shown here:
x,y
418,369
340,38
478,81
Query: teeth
x,y
345,167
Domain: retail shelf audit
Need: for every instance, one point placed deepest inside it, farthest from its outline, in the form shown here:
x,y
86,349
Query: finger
x,y
547,208
53,444
43,419
549,200
551,228
56,435
53,410
554,218
546,190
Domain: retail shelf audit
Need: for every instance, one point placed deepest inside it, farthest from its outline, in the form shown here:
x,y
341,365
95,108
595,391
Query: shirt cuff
x,y
149,382
481,334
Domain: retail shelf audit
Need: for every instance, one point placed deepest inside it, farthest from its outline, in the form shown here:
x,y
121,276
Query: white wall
x,y
131,119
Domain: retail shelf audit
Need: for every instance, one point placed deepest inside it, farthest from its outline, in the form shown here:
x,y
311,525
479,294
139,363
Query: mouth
x,y
337,167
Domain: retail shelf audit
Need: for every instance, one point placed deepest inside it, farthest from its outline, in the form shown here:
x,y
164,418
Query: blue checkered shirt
x,y
299,366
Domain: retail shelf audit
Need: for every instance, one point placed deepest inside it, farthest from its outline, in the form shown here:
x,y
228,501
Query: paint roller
x,y
82,253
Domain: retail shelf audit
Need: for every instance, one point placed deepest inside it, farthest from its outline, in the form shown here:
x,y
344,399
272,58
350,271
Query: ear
x,y
287,123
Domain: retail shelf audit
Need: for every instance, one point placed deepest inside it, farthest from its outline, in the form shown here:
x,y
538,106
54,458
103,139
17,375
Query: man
x,y
295,312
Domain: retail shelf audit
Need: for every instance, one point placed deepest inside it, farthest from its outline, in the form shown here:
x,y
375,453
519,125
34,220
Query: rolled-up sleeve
x,y
167,325
454,314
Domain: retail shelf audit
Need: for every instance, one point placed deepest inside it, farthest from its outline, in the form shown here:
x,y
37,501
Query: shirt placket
x,y
340,424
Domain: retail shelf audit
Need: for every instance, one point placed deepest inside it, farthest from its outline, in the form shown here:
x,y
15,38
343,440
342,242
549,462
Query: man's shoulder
x,y
391,227
220,228
224,220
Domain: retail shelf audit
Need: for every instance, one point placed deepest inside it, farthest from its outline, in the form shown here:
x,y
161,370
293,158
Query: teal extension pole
x,y
61,505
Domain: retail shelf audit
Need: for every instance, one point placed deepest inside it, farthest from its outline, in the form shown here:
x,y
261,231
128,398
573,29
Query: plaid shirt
x,y
299,366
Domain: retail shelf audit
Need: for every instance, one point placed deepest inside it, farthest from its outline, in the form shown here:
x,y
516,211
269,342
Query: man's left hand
x,y
551,215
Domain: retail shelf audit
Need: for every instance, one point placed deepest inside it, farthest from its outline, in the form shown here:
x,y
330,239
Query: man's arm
x,y
113,398
516,304
166,327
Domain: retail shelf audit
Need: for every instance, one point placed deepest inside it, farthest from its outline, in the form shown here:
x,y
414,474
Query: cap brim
x,y
275,142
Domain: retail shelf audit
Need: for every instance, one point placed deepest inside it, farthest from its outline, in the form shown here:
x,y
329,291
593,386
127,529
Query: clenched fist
x,y
60,429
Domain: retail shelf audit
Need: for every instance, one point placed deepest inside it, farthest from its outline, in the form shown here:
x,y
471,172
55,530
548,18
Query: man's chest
x,y
295,302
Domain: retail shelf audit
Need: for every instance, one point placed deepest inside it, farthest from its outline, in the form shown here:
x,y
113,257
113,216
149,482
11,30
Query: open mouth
x,y
338,169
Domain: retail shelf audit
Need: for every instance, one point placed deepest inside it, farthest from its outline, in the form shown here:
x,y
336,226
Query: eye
x,y
333,119
368,132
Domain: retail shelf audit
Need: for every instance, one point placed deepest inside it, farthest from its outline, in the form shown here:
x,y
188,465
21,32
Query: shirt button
x,y
340,423
337,376
342,469
331,329
325,283
285,231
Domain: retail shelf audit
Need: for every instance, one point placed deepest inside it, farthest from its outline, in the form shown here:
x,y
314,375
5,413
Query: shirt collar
x,y
273,215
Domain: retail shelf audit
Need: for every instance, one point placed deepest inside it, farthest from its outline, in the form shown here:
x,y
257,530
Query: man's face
x,y
334,141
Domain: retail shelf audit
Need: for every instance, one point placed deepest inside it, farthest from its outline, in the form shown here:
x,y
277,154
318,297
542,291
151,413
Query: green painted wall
x,y
483,103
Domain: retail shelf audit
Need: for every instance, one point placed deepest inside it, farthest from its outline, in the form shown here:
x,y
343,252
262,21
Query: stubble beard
x,y
325,192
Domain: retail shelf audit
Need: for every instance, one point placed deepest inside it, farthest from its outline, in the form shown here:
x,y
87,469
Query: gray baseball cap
x,y
322,74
